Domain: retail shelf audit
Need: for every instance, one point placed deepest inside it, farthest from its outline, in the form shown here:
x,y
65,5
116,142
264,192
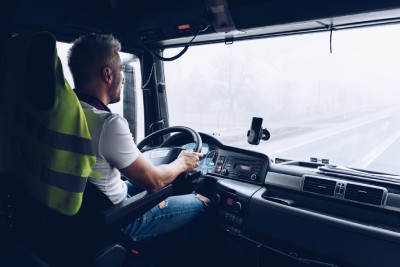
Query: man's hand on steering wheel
x,y
166,154
191,160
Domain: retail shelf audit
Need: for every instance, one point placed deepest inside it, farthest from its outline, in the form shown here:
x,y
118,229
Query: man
x,y
97,72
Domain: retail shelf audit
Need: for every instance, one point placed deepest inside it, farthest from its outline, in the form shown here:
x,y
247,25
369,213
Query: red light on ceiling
x,y
184,27
135,251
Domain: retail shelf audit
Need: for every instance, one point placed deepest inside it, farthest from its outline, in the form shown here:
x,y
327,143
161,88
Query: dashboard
x,y
292,208
230,162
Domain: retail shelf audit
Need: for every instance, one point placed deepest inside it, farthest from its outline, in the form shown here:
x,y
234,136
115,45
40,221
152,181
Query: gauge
x,y
191,146
204,150
208,162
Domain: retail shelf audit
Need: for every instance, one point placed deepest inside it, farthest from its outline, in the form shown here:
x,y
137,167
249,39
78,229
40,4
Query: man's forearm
x,y
166,173
151,178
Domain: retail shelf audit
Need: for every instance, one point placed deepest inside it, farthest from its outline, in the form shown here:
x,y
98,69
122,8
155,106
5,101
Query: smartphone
x,y
254,134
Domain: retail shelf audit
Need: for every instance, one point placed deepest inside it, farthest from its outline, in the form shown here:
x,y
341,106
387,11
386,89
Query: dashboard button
x,y
216,199
253,177
237,206
218,168
224,172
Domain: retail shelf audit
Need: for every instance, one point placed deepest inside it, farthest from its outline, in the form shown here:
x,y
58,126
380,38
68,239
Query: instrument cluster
x,y
207,163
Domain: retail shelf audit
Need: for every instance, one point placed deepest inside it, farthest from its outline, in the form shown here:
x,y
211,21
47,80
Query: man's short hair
x,y
90,54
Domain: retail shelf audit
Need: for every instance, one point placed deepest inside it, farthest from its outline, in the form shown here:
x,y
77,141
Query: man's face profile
x,y
116,85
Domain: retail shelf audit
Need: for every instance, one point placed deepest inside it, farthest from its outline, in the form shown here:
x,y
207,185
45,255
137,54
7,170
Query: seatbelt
x,y
91,100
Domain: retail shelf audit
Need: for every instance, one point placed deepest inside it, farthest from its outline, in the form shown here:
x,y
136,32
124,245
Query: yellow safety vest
x,y
47,149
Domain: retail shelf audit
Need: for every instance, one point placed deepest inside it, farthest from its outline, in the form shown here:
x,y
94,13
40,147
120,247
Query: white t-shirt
x,y
114,148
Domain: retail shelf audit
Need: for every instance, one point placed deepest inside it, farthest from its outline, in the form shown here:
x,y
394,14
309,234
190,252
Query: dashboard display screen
x,y
207,163
242,167
190,146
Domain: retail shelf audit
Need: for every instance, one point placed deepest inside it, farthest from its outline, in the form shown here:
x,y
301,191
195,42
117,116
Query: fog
x,y
220,87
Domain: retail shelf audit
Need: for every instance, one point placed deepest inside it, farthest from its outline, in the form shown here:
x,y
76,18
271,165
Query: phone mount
x,y
256,132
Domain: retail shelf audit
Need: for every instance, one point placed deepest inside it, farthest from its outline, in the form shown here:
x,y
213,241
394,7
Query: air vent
x,y
364,194
319,186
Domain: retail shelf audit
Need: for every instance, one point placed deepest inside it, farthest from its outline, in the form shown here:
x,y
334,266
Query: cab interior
x,y
268,209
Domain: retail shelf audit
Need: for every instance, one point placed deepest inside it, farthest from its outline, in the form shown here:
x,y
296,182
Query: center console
x,y
231,200
251,168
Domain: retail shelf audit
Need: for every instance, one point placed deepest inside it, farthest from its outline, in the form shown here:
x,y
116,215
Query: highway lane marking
x,y
328,135
375,153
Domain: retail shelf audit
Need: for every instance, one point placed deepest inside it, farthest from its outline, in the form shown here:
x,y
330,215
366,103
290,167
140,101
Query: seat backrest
x,y
7,198
45,140
43,161
8,205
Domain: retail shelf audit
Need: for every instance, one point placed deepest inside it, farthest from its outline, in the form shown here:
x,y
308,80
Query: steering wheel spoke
x,y
162,155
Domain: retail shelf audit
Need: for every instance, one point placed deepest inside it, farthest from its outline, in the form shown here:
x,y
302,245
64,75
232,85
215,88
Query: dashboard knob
x,y
253,177
237,206
216,199
224,172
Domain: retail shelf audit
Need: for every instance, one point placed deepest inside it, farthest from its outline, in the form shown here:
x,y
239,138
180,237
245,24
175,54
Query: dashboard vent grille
x,y
319,186
364,194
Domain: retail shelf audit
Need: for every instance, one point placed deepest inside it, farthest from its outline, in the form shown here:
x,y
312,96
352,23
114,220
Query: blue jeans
x,y
178,212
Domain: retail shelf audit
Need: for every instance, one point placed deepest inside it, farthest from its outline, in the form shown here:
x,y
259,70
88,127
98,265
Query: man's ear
x,y
107,75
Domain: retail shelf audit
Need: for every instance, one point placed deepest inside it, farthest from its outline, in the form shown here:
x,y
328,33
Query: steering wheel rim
x,y
180,129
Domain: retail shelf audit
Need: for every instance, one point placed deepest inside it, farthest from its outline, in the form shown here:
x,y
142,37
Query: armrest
x,y
125,212
112,255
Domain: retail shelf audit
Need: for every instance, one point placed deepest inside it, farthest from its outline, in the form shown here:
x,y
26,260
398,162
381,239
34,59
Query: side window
x,y
132,75
62,51
131,104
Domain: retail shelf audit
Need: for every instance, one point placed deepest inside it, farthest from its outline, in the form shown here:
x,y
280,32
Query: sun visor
x,y
249,15
221,17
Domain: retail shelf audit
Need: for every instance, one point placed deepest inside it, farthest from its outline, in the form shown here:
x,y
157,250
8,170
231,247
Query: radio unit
x,y
239,168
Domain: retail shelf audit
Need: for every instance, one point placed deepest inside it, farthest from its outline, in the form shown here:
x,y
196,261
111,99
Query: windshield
x,y
341,106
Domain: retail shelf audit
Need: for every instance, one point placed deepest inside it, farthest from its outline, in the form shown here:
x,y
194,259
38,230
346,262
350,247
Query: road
x,y
370,140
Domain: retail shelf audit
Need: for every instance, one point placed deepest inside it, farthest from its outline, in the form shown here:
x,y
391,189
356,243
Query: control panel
x,y
242,167
230,210
231,199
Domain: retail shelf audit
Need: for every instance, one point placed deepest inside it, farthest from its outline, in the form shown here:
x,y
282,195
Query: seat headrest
x,y
39,83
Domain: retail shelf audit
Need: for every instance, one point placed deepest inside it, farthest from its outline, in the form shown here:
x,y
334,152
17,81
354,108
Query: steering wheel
x,y
164,155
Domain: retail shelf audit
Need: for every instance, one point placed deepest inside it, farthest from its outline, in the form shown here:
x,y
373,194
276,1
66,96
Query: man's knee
x,y
163,204
204,199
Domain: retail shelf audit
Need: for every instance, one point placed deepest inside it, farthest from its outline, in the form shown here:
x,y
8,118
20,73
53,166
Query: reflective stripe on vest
x,y
65,181
49,137
49,151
